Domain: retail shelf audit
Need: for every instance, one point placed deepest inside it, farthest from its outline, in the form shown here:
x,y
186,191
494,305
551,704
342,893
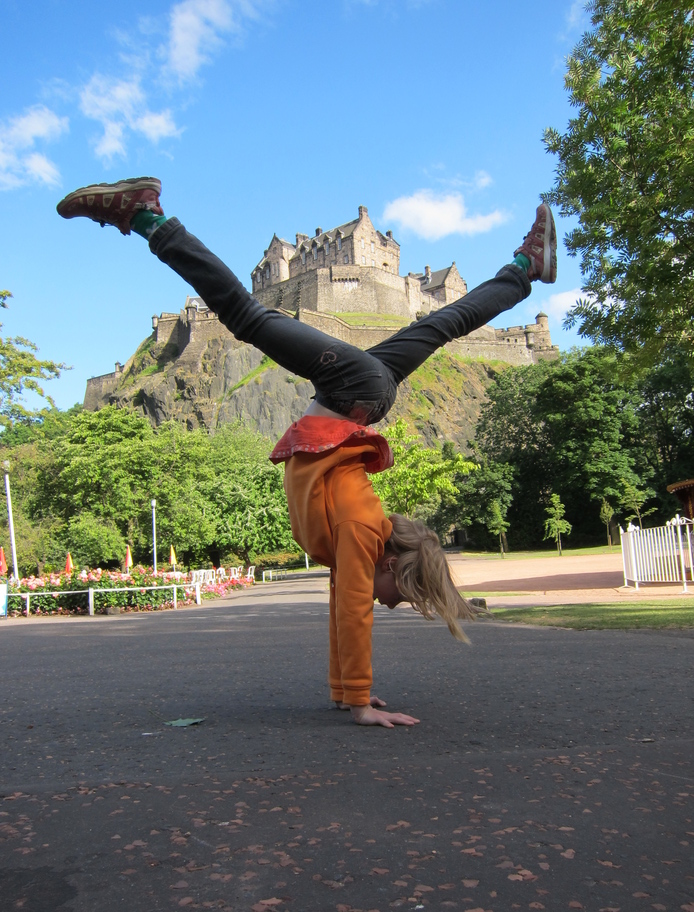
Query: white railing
x,y
660,555
92,592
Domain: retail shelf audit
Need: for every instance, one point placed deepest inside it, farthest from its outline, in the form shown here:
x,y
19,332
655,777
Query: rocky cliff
x,y
218,380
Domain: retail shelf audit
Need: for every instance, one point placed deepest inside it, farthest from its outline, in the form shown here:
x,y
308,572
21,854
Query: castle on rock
x,y
346,282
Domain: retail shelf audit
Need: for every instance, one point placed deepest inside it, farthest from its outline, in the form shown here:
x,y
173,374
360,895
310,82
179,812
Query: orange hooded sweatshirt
x,y
338,520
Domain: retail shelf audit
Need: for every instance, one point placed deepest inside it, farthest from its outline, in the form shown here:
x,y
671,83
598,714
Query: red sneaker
x,y
113,204
540,247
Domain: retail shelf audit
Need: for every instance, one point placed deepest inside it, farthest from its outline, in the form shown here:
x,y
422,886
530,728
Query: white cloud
x,y
156,126
557,306
42,169
433,216
20,163
183,39
121,106
577,20
196,28
577,16
482,180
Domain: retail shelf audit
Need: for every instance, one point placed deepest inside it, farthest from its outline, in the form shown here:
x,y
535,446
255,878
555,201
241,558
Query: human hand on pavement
x,y
369,715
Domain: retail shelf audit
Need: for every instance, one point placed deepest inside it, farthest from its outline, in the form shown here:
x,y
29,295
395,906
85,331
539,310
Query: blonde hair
x,y
423,577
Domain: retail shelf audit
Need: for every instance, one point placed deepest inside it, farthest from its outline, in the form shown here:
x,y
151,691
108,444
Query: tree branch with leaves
x,y
625,169
20,372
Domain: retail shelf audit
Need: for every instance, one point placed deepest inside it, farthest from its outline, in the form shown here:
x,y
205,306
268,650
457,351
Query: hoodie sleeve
x,y
358,549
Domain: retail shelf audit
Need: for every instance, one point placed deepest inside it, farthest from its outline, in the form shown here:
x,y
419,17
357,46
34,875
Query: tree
x,y
555,523
496,523
625,169
606,514
94,542
563,425
419,475
21,371
633,499
480,501
665,412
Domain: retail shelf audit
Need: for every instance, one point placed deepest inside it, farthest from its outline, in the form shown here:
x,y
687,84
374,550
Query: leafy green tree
x,y
606,514
561,425
664,445
20,372
625,169
419,474
555,524
480,502
103,466
496,523
634,499
94,542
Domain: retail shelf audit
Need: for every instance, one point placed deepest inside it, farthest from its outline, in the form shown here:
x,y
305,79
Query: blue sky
x,y
264,116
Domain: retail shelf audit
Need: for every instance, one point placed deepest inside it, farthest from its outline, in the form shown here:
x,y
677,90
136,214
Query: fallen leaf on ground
x,y
183,723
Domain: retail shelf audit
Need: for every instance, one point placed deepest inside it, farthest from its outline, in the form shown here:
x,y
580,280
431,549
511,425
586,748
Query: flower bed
x,y
74,598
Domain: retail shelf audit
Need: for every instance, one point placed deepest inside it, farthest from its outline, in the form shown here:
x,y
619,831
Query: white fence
x,y
91,593
660,555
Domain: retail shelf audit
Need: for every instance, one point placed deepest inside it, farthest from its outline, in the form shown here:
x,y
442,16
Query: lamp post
x,y
154,533
6,465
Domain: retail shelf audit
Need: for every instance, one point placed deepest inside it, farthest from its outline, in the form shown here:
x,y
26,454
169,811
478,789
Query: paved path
x,y
553,580
552,769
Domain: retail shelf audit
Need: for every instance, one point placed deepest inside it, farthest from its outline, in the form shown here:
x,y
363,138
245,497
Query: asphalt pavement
x,y
552,769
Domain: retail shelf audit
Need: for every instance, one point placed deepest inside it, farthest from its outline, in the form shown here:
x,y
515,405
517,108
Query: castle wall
x,y
167,329
349,289
486,343
100,388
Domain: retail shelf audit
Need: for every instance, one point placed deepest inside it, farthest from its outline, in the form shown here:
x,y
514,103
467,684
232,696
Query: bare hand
x,y
374,701
368,715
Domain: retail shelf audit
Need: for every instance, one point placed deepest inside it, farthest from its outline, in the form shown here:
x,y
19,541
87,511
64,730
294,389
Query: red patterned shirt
x,y
318,434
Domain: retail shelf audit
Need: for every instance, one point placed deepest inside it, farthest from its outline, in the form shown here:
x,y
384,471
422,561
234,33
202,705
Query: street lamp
x,y
154,533
6,465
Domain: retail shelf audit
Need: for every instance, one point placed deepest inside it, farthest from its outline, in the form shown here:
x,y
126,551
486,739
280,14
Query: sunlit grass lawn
x,y
662,613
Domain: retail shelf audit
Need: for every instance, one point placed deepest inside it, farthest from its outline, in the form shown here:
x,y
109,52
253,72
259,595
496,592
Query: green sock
x,y
145,223
521,261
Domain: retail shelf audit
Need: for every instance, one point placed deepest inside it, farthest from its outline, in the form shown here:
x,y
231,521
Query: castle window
x,y
303,257
373,263
339,243
346,258
327,248
315,253
267,273
363,261
362,243
373,246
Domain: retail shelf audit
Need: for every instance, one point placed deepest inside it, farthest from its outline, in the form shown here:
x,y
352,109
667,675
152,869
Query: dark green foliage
x,y
87,488
625,169
479,504
591,427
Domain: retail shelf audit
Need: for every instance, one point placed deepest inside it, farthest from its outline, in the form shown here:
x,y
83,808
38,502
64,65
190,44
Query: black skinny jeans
x,y
361,385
